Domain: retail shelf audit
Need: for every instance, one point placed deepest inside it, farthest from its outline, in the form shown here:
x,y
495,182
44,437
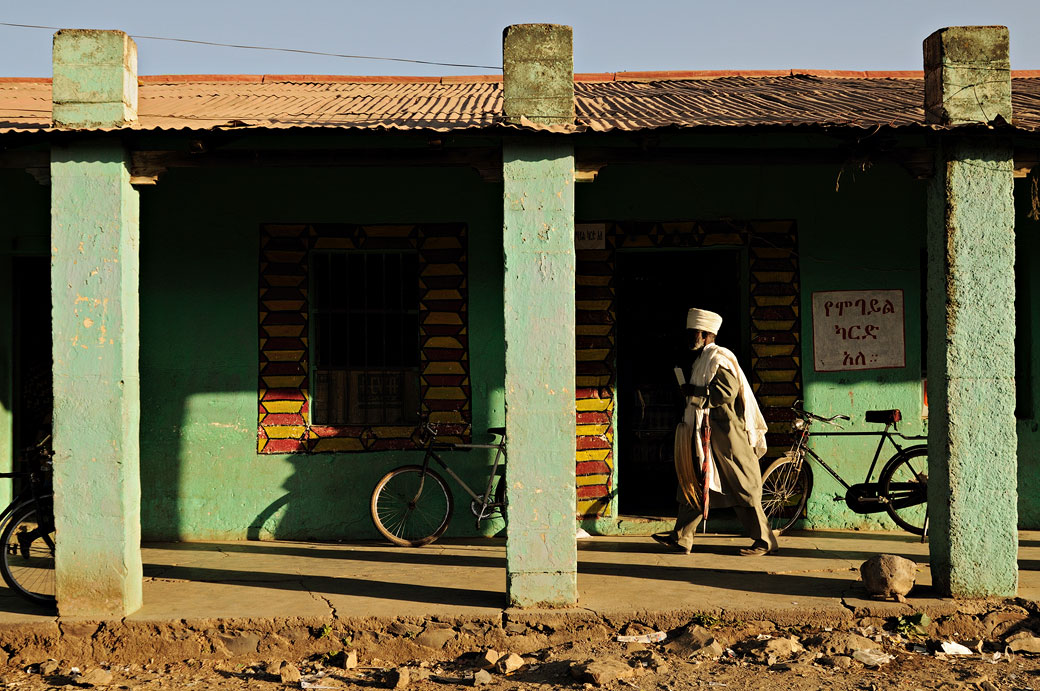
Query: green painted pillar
x,y
94,286
973,463
538,248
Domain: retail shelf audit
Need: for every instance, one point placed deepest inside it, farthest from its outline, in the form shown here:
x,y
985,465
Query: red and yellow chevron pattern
x,y
284,417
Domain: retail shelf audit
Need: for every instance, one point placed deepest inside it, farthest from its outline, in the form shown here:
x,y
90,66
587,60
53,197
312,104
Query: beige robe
x,y
736,463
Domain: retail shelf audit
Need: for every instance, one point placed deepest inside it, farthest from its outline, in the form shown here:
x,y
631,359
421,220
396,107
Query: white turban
x,y
703,320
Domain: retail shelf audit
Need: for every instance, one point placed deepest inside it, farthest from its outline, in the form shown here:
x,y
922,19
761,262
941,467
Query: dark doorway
x,y
654,291
33,393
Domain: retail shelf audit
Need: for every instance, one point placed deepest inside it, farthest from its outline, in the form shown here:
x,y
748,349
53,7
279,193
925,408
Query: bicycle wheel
x,y
904,484
411,509
500,495
786,486
27,562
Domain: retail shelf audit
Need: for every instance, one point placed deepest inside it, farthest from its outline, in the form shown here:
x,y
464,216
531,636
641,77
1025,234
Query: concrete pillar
x,y
94,292
538,248
973,462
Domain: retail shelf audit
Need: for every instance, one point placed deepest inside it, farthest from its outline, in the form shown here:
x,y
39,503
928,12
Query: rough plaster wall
x,y
539,311
973,464
96,380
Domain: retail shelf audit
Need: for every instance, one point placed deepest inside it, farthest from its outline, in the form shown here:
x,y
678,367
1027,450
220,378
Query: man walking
x,y
718,443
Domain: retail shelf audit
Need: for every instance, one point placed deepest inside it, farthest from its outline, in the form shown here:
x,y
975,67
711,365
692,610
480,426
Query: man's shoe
x,y
669,540
759,551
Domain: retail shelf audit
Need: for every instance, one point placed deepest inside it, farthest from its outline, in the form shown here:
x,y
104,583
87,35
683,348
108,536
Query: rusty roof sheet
x,y
622,101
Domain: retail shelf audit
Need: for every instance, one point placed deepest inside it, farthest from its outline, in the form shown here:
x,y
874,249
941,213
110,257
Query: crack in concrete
x,y
319,597
332,607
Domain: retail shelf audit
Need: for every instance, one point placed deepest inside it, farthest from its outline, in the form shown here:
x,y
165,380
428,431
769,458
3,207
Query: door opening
x,y
33,392
654,291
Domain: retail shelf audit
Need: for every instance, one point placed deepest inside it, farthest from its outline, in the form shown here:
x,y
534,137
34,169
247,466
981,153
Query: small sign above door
x,y
590,236
858,330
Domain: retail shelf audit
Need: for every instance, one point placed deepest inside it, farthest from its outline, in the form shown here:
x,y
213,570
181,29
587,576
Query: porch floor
x,y
814,579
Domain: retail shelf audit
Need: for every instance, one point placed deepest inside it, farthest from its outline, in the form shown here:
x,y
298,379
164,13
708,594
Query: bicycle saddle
x,y
884,417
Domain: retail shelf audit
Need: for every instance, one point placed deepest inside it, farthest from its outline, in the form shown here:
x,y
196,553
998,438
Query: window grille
x,y
365,337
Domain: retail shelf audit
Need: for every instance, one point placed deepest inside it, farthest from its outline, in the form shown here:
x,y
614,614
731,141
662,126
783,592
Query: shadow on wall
x,y
202,477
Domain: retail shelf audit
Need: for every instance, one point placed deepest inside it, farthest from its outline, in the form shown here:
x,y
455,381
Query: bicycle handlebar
x,y
431,431
813,416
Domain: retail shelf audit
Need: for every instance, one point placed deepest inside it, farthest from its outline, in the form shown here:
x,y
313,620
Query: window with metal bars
x,y
365,337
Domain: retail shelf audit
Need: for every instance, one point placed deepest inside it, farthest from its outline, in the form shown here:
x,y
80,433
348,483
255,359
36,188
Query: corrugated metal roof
x,y
624,101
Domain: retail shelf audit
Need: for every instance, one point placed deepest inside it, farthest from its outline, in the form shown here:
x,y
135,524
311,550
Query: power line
x,y
280,50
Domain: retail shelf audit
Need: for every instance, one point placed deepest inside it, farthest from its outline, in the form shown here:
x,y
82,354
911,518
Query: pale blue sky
x,y
609,35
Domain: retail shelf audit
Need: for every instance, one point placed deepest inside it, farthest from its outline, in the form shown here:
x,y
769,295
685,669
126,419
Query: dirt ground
x,y
546,652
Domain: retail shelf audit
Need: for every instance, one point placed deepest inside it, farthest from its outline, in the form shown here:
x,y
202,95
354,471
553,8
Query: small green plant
x,y
708,621
348,641
912,625
326,631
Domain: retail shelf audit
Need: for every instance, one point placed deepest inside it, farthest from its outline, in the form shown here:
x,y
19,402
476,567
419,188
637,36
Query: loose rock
x,y
602,672
1028,644
398,678
836,661
48,667
998,624
482,678
888,576
692,640
777,649
274,668
488,658
507,664
435,638
95,677
289,673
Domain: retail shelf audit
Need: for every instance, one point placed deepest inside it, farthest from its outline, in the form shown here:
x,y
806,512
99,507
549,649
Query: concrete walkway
x,y
814,578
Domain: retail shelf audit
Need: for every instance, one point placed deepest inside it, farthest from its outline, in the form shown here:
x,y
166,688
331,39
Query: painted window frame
x,y
285,424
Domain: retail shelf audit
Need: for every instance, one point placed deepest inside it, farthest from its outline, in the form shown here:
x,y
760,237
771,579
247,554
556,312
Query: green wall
x,y
867,233
201,475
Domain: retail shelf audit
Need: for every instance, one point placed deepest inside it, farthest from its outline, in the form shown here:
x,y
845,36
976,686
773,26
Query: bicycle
x,y
27,537
901,489
412,505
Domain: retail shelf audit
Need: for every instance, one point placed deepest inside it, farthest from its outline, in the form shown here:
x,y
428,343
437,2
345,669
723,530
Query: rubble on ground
x,y
515,654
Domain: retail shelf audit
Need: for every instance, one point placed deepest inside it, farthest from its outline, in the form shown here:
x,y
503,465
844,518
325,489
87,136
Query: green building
x,y
240,294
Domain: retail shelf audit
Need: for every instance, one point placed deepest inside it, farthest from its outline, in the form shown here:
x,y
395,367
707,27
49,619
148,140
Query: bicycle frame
x,y
432,453
885,434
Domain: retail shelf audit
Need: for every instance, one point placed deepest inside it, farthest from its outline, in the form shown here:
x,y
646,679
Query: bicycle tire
x,y
27,553
786,486
500,495
904,485
406,516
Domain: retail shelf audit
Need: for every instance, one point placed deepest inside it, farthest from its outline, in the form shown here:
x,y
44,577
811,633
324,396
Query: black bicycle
x,y
27,536
412,505
901,488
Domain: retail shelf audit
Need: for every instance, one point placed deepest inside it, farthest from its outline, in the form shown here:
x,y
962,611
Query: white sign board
x,y
858,329
590,236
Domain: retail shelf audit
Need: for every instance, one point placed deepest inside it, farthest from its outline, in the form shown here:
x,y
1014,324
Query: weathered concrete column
x,y
973,460
94,292
538,248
